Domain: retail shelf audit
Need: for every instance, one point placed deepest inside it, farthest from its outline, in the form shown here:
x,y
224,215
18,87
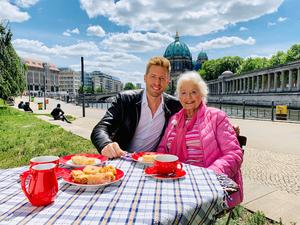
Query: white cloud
x,y
66,34
281,19
136,42
243,28
69,32
223,42
270,24
95,31
168,16
12,12
33,46
26,3
95,59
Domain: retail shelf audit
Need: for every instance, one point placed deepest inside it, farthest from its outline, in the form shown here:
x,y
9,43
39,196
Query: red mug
x,y
43,186
44,159
166,164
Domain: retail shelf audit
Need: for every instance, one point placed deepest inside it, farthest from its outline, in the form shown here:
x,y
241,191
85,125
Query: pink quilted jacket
x,y
222,152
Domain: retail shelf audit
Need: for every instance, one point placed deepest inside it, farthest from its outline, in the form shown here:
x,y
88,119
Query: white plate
x,y
70,163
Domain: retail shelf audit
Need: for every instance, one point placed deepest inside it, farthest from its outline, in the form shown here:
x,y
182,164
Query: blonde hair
x,y
196,79
159,61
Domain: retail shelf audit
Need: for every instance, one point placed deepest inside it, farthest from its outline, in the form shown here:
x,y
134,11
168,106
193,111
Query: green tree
x,y
251,64
212,69
12,70
99,90
293,53
278,59
129,86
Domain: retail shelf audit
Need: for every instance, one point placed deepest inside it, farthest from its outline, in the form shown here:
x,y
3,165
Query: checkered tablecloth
x,y
137,199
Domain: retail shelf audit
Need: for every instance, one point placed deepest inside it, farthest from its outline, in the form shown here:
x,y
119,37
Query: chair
x,y
242,141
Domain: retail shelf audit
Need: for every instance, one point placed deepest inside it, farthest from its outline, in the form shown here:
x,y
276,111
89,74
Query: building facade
x,y
105,83
40,75
281,83
69,81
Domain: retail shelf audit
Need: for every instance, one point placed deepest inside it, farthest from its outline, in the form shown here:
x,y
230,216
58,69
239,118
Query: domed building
x,y
202,57
180,57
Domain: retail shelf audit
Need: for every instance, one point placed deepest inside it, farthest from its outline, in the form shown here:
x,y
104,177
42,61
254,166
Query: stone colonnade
x,y
279,79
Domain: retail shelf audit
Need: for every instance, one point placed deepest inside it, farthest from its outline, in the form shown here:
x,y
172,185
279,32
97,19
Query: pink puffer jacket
x,y
222,152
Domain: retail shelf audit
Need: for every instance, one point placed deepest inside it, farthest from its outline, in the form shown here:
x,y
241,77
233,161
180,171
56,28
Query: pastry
x,y
83,160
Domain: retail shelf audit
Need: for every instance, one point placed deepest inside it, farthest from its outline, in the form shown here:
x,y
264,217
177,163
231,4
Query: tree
x,y
129,86
278,59
293,53
251,64
12,70
212,69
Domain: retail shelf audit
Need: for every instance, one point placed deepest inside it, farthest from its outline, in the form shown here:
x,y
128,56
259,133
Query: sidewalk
x,y
271,167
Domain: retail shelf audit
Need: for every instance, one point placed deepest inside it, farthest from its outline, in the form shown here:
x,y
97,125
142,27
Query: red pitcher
x,y
43,186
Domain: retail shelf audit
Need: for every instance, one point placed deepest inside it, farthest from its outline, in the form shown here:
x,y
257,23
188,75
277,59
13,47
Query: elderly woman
x,y
203,136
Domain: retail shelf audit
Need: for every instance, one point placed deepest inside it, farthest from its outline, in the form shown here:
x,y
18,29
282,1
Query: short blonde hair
x,y
196,79
159,61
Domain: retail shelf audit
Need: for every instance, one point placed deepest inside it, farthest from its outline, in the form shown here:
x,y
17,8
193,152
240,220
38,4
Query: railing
x,y
245,111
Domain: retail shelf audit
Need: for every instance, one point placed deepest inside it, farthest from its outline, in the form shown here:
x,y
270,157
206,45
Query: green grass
x,y
23,136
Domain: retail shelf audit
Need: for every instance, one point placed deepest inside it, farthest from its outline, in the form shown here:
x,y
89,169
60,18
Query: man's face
x,y
156,80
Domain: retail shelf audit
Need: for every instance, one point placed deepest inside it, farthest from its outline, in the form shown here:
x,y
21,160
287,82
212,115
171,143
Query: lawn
x,y
23,136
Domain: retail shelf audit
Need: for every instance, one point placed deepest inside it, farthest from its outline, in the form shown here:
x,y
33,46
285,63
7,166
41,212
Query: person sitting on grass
x,y
21,105
27,108
58,114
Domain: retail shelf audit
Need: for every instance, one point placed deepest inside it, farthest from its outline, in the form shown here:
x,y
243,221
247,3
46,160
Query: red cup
x,y
43,186
166,164
44,159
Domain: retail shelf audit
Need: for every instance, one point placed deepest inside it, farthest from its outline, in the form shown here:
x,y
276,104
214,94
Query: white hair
x,y
195,78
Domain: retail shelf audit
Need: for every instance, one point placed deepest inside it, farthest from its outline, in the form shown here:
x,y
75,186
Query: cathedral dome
x,y
202,56
177,49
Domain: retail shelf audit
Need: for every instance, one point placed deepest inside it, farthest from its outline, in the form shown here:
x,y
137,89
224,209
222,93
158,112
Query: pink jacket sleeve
x,y
231,156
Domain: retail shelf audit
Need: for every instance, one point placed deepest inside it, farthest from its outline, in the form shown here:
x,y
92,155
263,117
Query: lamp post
x,y
82,80
46,68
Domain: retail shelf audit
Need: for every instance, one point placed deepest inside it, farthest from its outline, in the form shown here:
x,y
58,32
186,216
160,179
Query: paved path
x,y
271,167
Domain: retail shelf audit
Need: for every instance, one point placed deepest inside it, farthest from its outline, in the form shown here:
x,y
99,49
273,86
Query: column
x,y
269,82
298,80
262,83
282,80
248,84
223,87
257,83
290,80
275,80
252,88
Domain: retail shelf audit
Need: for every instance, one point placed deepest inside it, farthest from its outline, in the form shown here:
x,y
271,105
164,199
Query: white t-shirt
x,y
149,129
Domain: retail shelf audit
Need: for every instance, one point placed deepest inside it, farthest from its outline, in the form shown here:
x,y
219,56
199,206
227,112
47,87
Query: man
x,y
137,120
58,114
27,108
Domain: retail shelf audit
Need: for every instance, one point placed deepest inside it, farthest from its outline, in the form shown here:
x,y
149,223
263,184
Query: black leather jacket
x,y
122,118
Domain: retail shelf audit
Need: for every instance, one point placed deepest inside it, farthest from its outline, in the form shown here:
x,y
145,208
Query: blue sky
x,y
118,37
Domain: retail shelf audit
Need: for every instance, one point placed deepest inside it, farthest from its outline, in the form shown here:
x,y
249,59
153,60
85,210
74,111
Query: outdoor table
x,y
136,199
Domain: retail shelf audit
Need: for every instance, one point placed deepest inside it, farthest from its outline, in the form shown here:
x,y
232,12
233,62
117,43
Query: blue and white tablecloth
x,y
137,199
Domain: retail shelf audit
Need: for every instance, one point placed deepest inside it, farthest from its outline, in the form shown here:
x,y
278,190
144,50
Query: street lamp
x,y
46,68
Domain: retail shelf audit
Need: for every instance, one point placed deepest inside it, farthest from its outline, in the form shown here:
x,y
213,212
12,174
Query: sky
x,y
119,36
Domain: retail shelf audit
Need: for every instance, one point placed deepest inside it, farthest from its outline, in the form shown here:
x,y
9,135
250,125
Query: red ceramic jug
x,y
43,186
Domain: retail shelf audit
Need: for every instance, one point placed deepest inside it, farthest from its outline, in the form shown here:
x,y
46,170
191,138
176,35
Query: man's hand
x,y
112,150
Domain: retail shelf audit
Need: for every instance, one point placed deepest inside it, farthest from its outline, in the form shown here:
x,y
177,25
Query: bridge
x,y
99,97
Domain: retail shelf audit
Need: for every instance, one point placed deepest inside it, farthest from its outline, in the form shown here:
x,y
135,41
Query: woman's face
x,y
189,95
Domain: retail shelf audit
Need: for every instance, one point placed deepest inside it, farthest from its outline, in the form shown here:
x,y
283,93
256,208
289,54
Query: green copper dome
x,y
177,49
202,56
